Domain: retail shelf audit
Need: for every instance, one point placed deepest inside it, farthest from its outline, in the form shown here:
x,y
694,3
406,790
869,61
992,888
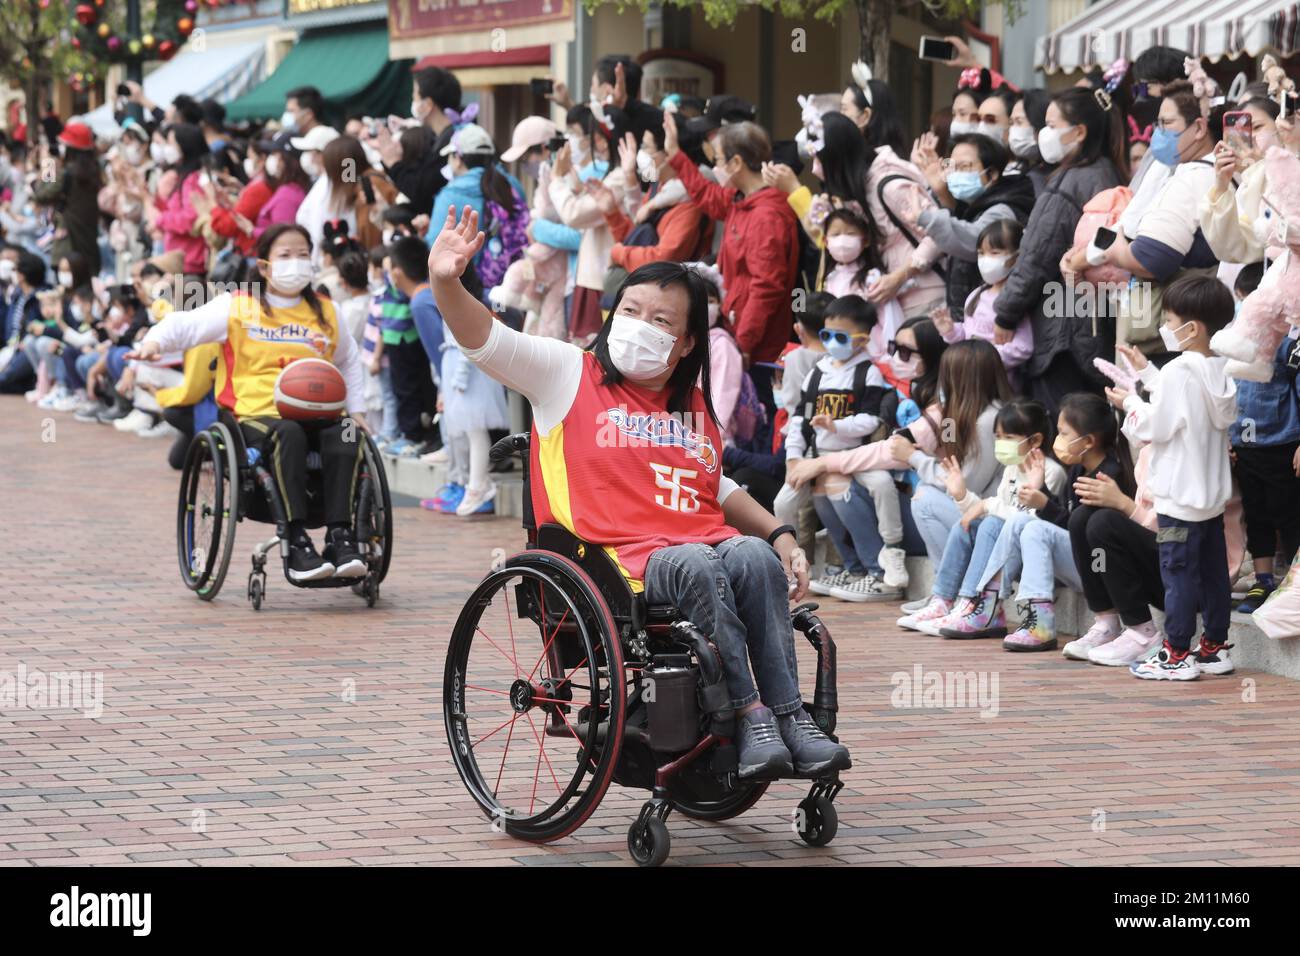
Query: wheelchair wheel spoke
x,y
503,653
547,647
499,728
500,770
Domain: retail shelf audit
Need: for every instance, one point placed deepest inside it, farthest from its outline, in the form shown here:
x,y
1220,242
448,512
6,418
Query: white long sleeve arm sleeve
x,y
180,331
545,371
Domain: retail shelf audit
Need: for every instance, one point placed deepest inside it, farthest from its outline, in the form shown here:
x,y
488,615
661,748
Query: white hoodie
x,y
1192,404
850,430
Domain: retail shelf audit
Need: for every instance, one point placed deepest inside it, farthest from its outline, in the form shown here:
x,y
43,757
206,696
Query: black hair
x,y
844,156
1036,101
870,256
1105,135
410,255
309,98
78,265
1003,234
1024,416
192,145
854,308
813,316
993,155
585,119
353,269
1090,414
213,114
631,72
188,108
335,240
1248,279
931,346
1159,64
401,214
1203,299
31,267
494,183
1264,104
151,269
377,255
264,243
693,367
885,128
439,85
416,141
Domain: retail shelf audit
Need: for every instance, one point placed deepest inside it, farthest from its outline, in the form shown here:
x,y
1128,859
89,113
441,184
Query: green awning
x,y
350,67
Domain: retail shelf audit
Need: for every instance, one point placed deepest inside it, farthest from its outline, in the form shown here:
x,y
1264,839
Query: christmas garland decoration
x,y
101,39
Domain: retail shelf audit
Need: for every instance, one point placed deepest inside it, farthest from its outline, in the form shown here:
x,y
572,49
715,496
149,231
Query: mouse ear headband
x,y
861,74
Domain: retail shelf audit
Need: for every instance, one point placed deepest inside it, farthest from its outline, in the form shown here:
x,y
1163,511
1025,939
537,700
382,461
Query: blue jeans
x,y
964,557
84,363
1039,553
850,520
935,514
735,593
1194,567
117,361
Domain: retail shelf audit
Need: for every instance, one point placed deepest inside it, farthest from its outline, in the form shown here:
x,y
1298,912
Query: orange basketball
x,y
310,389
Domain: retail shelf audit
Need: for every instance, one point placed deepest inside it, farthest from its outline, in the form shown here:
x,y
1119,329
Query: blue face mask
x,y
839,352
964,186
1164,146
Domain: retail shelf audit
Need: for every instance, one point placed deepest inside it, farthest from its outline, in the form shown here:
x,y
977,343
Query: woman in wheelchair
x,y
626,455
260,334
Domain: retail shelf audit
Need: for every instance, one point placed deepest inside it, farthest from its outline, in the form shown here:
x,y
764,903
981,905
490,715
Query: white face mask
x,y
904,371
646,167
1022,140
171,154
289,122
715,312
962,127
577,152
250,167
65,279
274,166
205,180
78,313
156,152
310,165
290,276
722,175
1050,146
6,271
447,172
1170,336
418,110
133,155
638,349
844,248
993,269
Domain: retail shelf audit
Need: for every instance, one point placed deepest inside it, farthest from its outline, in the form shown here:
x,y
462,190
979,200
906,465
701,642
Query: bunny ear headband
x,y
460,117
812,131
1138,135
861,74
1203,86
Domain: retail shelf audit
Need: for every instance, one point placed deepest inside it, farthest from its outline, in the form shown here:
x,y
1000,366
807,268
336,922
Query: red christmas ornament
x,y
76,43
185,25
86,14
166,50
45,4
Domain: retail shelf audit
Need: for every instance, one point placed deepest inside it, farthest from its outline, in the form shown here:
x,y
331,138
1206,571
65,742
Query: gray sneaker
x,y
814,752
761,752
866,588
831,579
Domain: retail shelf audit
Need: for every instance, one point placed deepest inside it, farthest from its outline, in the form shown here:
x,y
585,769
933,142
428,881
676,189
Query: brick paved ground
x,y
217,714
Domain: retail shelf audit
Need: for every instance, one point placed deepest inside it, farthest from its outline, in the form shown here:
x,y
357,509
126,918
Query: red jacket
x,y
685,234
758,259
251,200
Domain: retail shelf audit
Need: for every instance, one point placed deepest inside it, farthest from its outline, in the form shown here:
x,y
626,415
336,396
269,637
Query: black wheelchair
x,y
554,650
222,483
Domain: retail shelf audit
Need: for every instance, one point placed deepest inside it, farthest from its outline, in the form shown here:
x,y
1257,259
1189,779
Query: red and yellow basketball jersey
x,y
258,345
622,473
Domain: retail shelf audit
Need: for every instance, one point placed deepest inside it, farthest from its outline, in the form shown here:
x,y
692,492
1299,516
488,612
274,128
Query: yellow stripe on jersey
x,y
635,584
555,476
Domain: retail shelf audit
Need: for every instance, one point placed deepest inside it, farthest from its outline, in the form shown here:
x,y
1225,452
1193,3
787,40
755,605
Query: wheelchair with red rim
x,y
223,482
560,680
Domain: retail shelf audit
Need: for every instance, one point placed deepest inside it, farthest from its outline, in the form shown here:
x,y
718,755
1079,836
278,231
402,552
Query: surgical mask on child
x,y
964,186
1022,140
1062,448
841,346
846,248
1007,451
638,350
715,312
993,269
646,167
291,276
1170,336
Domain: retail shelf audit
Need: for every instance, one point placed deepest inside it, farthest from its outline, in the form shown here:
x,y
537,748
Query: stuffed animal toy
x,y
1268,312
535,283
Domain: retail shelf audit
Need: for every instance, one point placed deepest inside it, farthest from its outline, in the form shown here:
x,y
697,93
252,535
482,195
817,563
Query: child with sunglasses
x,y
998,245
839,409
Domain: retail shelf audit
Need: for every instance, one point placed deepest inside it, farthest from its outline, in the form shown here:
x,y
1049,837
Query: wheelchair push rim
x,y
535,654
207,511
372,513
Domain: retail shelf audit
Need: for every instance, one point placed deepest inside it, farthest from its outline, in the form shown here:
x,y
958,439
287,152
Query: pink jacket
x,y
281,207
979,324
725,370
177,219
875,456
895,249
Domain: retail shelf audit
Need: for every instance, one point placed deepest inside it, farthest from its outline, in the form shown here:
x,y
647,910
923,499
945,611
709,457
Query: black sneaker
x,y
1254,598
305,564
341,551
119,409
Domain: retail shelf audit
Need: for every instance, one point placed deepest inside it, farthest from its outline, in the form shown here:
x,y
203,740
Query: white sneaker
x,y
48,401
33,396
934,607
932,626
160,430
867,588
475,499
69,402
894,562
133,421
439,457
1212,662
1100,633
823,584
1129,648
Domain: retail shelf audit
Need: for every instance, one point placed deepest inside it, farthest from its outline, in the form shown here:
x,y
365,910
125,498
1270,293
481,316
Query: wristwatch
x,y
784,529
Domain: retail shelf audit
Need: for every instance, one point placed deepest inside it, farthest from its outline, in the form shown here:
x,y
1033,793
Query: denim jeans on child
x,y
964,558
1036,551
1194,567
735,592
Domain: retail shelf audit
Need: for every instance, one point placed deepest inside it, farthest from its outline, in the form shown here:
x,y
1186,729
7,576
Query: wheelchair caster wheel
x,y
820,821
649,842
367,588
255,591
